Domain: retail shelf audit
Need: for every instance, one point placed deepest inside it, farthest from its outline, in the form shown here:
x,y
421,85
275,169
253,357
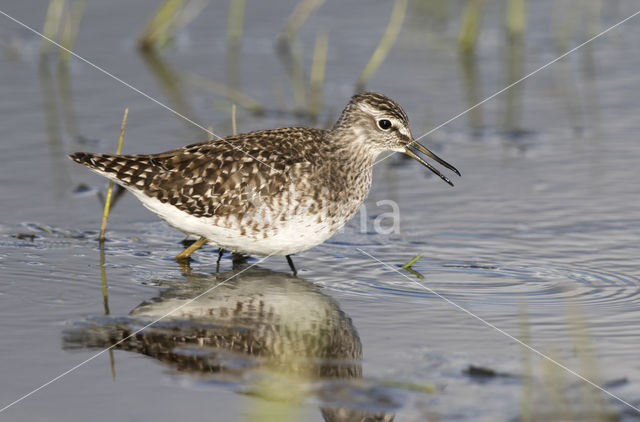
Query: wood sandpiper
x,y
269,192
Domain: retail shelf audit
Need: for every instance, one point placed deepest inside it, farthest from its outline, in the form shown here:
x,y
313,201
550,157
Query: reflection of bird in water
x,y
271,321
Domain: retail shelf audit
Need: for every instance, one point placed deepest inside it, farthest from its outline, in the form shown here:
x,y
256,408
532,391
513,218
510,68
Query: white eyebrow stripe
x,y
369,109
378,114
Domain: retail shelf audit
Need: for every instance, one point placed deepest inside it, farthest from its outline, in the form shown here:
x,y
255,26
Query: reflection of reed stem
x,y
171,83
563,22
66,98
236,96
594,9
53,119
166,20
112,364
103,275
107,202
290,50
515,71
156,32
516,17
473,89
51,25
234,43
470,25
388,40
554,397
527,368
105,302
70,30
317,73
235,20
234,125
297,75
299,16
583,347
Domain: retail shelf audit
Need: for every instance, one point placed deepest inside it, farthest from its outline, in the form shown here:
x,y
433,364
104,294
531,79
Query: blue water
x,y
539,238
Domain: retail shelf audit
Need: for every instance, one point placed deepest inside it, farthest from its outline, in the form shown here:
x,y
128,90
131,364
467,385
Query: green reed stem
x,y
191,249
107,202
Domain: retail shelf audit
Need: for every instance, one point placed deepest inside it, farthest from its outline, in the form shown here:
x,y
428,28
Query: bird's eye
x,y
384,124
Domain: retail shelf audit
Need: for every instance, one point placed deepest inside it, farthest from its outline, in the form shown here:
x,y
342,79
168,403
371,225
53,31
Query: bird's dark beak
x,y
414,145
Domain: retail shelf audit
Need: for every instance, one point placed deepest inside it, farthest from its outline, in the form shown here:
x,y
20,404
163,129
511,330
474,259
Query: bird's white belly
x,y
298,233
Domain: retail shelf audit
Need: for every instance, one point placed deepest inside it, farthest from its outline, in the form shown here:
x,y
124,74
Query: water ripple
x,y
550,284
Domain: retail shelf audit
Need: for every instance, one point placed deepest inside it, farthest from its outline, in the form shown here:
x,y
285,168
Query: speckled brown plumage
x,y
254,192
213,178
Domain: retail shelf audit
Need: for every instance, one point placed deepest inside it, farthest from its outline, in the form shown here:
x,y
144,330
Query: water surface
x,y
539,237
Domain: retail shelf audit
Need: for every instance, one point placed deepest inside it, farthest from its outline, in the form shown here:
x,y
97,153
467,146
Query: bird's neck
x,y
351,148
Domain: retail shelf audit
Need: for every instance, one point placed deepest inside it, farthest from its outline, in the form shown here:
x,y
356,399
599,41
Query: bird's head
x,y
383,125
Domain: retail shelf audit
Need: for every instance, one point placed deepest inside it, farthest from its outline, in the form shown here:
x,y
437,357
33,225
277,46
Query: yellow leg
x,y
191,249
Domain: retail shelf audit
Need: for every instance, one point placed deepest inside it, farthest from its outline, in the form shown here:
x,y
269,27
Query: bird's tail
x,y
126,170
